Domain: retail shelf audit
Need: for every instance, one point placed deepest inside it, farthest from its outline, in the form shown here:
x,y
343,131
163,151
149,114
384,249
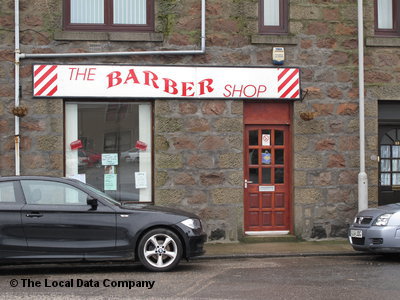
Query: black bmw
x,y
48,219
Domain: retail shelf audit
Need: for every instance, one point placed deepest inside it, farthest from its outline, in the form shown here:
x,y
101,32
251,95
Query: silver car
x,y
377,230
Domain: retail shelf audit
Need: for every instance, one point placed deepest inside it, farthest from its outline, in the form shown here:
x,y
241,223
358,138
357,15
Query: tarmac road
x,y
313,277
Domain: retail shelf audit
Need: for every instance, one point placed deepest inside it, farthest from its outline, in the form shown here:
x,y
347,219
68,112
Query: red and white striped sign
x,y
289,83
45,80
110,81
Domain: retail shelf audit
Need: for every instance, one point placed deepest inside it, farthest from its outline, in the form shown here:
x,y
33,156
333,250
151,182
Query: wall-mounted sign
x,y
166,82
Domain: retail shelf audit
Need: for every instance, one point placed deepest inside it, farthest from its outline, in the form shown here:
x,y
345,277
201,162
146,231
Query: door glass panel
x,y
253,172
396,151
253,156
279,175
52,193
279,156
7,192
266,175
266,157
385,151
385,165
396,179
253,137
396,165
266,138
279,137
385,179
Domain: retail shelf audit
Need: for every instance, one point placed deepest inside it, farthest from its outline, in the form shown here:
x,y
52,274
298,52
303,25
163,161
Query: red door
x,y
267,178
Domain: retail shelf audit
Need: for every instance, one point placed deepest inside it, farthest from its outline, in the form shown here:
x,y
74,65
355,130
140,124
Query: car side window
x,y
7,193
52,193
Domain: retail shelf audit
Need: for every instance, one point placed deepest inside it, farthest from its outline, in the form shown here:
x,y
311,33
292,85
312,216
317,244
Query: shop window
x,y
109,15
108,145
273,16
386,17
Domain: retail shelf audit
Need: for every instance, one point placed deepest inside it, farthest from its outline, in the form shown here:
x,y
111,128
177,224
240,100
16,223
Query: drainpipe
x,y
202,49
16,82
362,176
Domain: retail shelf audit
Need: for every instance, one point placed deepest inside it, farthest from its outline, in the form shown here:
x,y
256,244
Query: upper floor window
x,y
273,16
386,17
109,15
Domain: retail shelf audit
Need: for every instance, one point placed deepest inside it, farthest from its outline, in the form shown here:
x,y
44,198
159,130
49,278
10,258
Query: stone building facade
x,y
198,152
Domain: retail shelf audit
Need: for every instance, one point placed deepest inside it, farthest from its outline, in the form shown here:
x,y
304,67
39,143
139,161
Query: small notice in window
x,y
140,180
109,159
110,182
266,140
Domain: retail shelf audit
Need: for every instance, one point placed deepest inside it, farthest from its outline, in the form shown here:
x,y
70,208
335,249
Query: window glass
x,y
385,151
279,175
253,172
396,179
266,175
271,13
396,151
114,152
385,14
385,165
385,179
279,156
87,11
52,193
253,157
129,11
7,193
253,137
279,134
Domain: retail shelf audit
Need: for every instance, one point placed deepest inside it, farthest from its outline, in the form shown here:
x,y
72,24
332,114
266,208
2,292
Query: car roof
x,y
33,177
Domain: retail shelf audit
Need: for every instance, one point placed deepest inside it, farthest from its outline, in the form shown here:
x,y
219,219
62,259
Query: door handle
x,y
34,215
246,182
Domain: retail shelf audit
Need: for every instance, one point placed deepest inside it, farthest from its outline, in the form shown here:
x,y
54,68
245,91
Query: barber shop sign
x,y
187,82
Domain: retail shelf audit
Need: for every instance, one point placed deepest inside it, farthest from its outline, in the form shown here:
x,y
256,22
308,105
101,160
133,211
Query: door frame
x,y
270,113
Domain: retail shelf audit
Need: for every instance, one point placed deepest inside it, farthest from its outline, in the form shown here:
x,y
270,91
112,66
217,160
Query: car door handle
x,y
34,215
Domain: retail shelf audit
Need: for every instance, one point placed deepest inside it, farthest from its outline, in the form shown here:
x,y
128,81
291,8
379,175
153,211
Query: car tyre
x,y
160,250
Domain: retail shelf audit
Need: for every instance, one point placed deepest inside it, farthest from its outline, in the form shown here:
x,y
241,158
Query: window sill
x,y
108,36
382,41
274,39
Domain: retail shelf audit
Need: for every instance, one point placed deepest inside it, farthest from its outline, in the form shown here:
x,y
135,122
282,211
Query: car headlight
x,y
192,223
382,220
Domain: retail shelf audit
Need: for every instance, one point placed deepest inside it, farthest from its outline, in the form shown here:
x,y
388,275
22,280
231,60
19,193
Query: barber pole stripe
x,y
45,80
288,83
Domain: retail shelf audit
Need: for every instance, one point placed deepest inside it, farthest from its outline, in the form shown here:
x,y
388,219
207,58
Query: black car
x,y
47,219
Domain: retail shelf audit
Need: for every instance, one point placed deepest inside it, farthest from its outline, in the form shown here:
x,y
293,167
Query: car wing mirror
x,y
92,202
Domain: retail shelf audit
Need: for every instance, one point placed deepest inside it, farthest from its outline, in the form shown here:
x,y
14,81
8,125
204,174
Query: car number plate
x,y
356,233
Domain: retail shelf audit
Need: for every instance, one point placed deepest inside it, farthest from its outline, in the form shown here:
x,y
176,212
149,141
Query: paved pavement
x,y
279,249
